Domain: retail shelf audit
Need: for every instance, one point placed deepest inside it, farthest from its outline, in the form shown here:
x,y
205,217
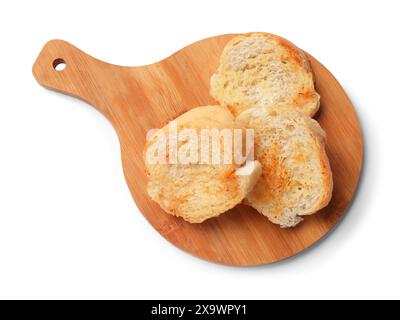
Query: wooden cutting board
x,y
137,99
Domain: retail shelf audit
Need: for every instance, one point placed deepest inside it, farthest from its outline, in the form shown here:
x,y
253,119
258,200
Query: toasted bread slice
x,y
263,70
297,178
197,191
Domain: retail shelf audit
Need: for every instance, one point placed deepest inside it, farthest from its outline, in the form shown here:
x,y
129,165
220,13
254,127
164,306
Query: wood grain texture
x,y
137,99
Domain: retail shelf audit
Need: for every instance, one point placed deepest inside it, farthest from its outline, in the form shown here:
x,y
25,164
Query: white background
x,y
68,225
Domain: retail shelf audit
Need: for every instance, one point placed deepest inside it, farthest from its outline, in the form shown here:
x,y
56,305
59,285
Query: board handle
x,y
63,67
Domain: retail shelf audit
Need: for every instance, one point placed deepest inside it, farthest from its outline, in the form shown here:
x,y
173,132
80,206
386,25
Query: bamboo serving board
x,y
137,99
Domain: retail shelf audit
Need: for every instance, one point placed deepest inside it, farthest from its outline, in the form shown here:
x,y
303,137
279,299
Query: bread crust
x,y
261,69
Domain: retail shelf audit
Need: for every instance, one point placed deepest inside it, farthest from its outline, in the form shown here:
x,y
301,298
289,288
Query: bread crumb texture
x,y
263,70
296,177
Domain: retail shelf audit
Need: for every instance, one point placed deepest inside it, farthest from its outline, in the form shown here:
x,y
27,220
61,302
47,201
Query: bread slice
x,y
262,70
198,191
297,178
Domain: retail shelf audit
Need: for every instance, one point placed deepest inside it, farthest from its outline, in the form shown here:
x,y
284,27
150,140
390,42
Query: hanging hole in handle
x,y
59,64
